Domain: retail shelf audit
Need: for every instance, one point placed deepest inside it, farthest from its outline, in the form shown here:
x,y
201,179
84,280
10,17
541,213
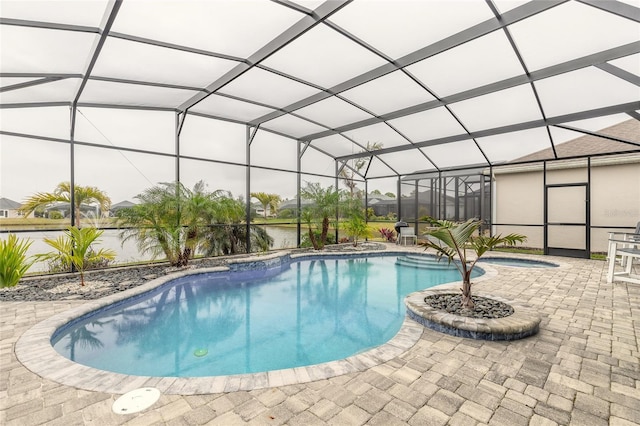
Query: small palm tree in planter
x,y
451,240
74,248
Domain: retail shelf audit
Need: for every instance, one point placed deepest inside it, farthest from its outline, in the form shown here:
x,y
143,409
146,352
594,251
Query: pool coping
x,y
35,352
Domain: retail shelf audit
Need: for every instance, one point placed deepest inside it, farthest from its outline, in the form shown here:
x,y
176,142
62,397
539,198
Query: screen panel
x,y
213,139
137,129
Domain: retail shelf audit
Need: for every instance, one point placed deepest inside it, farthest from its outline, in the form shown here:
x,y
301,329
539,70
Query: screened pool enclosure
x,y
411,105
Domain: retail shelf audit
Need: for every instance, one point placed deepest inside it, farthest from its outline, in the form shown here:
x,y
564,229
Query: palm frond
x,y
14,262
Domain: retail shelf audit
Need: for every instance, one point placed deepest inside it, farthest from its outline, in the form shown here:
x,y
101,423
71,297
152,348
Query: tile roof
x,y
7,204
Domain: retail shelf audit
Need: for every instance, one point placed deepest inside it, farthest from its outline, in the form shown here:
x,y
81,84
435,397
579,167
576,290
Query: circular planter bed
x,y
493,318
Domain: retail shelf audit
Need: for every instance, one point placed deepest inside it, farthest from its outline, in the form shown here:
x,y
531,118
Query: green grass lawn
x,y
37,223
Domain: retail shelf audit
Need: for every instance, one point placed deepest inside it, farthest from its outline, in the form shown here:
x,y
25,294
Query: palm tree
x,y
348,174
170,219
274,203
267,200
227,233
324,205
197,203
178,222
74,248
62,193
356,227
453,240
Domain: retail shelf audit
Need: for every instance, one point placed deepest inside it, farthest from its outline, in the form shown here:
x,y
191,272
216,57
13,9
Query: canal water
x,y
128,252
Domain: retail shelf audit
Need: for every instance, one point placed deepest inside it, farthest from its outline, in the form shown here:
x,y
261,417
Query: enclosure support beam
x,y
415,207
366,203
491,200
178,126
399,198
456,199
588,210
483,28
432,198
442,197
628,107
482,201
337,208
301,151
544,206
320,14
248,188
72,166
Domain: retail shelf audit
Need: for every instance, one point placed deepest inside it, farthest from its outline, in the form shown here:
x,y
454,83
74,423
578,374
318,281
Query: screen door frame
x,y
584,252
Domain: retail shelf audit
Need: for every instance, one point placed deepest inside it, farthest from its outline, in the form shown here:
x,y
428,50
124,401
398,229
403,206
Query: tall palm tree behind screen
x,y
177,222
169,219
82,195
267,200
324,205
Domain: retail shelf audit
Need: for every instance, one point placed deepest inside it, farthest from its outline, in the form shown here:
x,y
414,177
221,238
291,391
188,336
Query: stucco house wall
x,y
519,199
614,196
9,209
614,189
616,201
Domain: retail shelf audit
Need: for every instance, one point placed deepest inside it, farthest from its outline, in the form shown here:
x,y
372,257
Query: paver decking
x,y
582,368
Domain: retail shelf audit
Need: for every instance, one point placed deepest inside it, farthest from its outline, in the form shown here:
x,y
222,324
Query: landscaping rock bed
x,y
483,307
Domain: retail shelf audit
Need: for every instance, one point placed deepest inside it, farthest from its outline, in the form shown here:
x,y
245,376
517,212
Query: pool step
x,y
423,262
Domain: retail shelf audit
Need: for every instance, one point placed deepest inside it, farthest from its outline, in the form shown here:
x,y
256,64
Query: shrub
x,y
55,214
306,242
285,214
91,261
388,234
356,228
13,260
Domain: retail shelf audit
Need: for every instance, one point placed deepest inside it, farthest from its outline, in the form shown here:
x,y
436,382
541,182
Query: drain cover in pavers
x,y
136,400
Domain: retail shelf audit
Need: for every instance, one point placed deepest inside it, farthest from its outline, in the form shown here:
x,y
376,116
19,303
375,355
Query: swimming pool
x,y
303,312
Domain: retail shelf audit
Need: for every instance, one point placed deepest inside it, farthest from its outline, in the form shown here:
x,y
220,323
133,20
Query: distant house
x,y
119,206
382,204
292,204
259,210
9,208
594,201
64,209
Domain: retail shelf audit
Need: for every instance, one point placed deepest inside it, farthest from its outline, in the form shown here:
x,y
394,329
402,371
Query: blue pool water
x,y
306,312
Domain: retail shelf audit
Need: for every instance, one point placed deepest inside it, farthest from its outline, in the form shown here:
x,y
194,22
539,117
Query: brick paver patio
x,y
582,368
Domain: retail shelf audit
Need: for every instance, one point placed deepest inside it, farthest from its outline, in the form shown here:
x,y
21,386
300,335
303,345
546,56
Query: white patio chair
x,y
407,233
619,238
624,248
